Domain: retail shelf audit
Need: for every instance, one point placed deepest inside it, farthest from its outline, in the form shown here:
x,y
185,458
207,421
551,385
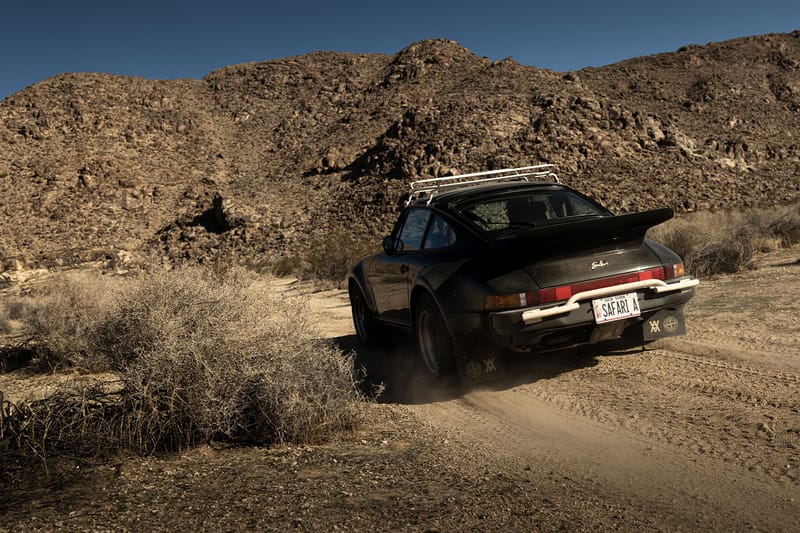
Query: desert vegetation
x,y
326,257
724,242
172,359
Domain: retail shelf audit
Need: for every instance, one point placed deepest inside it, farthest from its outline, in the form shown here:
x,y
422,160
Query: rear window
x,y
529,209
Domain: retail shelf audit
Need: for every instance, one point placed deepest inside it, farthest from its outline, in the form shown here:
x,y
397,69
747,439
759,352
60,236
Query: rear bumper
x,y
572,322
536,315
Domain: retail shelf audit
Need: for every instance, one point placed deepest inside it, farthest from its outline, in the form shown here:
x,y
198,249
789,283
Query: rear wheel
x,y
363,319
433,341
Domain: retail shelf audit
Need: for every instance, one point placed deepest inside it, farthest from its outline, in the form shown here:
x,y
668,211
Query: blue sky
x,y
188,39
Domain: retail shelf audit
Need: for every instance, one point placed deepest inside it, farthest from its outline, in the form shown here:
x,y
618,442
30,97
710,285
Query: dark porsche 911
x,y
512,259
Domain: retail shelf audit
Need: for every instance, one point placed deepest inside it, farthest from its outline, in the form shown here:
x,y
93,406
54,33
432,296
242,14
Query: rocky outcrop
x,y
255,158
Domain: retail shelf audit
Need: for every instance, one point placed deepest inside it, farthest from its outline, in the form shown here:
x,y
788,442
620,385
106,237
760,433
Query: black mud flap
x,y
479,366
664,323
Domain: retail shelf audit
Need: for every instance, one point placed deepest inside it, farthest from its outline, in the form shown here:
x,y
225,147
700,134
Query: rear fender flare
x,y
420,290
357,279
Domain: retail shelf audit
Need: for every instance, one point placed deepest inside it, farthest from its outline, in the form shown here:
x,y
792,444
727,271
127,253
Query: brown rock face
x,y
255,157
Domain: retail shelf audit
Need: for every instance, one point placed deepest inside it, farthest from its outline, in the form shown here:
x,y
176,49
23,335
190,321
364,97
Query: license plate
x,y
616,307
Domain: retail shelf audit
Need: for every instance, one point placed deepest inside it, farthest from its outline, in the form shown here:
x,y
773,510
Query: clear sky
x,y
187,39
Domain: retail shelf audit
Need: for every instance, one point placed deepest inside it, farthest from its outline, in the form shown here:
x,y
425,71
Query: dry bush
x,y
216,357
17,308
11,308
77,421
784,225
725,242
5,320
266,374
63,317
201,355
327,256
14,353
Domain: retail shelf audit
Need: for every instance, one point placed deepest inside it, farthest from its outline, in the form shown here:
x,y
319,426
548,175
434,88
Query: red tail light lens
x,y
564,292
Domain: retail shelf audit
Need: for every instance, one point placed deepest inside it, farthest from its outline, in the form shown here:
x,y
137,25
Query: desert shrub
x,y
63,318
11,308
76,421
200,354
725,242
5,320
16,308
287,265
727,256
784,226
327,256
219,358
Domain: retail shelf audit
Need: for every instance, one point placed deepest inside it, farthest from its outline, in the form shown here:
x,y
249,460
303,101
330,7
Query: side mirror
x,y
388,244
392,245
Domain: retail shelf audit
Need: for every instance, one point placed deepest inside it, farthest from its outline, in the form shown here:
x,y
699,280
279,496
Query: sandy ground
x,y
697,432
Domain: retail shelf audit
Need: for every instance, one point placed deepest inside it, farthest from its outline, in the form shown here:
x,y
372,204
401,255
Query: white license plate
x,y
616,307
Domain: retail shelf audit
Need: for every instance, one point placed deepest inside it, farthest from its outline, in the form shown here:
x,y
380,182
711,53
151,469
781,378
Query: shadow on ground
x,y
394,368
13,357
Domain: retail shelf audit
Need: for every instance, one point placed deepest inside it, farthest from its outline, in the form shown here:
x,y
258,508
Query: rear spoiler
x,y
623,228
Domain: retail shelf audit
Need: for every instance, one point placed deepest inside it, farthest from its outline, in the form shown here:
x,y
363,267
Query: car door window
x,y
440,234
413,229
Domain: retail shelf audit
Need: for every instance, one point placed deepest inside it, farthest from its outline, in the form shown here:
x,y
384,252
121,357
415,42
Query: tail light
x,y
510,301
564,292
674,271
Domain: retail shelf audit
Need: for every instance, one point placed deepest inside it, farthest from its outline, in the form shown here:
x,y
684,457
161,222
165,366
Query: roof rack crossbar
x,y
419,189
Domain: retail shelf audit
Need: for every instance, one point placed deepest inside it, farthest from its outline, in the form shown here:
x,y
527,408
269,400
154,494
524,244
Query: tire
x,y
433,340
363,318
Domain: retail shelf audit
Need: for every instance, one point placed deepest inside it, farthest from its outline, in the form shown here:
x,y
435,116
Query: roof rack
x,y
428,188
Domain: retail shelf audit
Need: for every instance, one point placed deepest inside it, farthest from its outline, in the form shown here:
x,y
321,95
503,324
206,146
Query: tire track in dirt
x,y
784,365
720,414
515,431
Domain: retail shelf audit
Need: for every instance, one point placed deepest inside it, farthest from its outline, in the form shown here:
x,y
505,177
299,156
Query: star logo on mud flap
x,y
670,324
490,365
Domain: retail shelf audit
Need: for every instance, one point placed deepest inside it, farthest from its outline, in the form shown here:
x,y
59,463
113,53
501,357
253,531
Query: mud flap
x,y
479,366
664,323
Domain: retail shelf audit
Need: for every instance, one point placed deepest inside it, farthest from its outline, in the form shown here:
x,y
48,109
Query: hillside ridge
x,y
255,158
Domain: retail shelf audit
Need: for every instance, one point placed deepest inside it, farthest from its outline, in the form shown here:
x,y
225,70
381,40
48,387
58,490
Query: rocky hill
x,y
255,158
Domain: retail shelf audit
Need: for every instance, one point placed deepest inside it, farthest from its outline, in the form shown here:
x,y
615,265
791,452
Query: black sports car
x,y
513,259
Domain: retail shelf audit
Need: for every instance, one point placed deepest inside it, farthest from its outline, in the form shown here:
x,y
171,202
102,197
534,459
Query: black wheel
x,y
433,341
363,319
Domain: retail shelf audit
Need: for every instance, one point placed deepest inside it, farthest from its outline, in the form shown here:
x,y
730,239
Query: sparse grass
x,y
14,352
785,226
725,242
327,257
16,308
201,355
5,320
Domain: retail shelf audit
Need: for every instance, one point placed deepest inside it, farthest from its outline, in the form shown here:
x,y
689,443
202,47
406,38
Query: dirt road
x,y
699,431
